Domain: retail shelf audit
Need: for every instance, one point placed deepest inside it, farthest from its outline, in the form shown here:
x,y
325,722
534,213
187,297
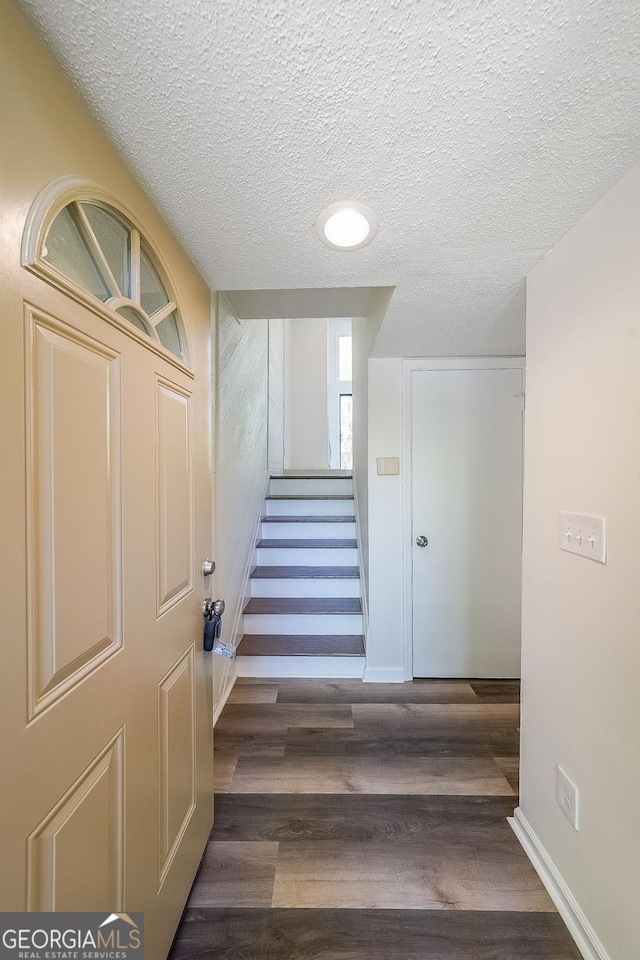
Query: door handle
x,y
422,541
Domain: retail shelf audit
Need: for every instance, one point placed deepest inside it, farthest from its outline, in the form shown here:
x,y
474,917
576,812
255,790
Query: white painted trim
x,y
237,629
578,926
363,591
409,367
463,363
336,327
237,622
303,667
219,707
383,675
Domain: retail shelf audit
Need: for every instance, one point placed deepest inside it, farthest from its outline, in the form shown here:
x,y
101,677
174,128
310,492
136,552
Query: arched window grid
x,y
67,242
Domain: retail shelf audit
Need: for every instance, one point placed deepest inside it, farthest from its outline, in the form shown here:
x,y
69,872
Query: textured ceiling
x,y
479,131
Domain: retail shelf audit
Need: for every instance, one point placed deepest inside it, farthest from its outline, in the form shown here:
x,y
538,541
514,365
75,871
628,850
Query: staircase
x,y
304,617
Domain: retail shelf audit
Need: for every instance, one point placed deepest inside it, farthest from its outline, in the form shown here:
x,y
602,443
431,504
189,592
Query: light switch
x,y
584,535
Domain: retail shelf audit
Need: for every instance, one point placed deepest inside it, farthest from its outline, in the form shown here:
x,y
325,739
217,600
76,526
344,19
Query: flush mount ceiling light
x,y
347,226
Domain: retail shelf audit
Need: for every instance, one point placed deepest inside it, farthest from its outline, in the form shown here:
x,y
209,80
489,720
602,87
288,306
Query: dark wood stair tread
x,y
304,605
285,645
305,573
314,476
307,544
309,496
312,519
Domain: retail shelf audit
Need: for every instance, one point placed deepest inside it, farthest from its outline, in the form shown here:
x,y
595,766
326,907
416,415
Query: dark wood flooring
x,y
368,822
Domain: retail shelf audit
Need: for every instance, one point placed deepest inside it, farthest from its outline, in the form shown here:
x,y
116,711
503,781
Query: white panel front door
x,y
467,502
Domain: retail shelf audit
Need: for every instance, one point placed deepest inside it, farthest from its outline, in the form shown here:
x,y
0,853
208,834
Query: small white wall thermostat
x,y
388,466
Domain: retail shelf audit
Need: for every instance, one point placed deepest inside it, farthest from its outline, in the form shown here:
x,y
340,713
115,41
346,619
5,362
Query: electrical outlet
x,y
567,797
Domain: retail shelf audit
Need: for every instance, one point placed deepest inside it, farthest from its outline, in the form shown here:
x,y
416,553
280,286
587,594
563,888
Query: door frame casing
x,y
409,367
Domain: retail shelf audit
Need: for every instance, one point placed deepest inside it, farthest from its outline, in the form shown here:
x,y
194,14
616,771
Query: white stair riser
x,y
309,531
293,485
310,508
299,587
302,624
300,666
306,557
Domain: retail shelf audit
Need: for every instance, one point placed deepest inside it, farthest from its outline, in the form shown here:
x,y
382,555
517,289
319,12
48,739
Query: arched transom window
x,y
95,248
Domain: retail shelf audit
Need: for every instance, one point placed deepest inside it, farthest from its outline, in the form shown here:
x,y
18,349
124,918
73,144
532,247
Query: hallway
x,y
368,821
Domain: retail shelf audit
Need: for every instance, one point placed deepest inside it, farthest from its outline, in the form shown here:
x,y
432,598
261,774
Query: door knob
x,y
422,542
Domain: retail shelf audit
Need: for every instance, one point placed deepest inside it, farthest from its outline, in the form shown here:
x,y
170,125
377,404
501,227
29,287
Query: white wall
x,y
306,430
242,414
276,396
581,620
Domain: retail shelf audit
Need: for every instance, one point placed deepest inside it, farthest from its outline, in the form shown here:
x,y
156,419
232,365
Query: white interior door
x,y
467,502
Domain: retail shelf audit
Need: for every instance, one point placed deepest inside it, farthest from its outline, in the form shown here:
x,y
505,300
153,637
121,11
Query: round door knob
x,y
422,542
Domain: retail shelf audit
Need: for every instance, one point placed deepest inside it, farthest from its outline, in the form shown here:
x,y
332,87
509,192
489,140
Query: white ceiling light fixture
x,y
347,226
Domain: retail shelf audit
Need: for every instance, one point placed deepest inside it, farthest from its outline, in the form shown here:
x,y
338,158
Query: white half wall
x,y
385,642
242,416
364,331
306,423
581,619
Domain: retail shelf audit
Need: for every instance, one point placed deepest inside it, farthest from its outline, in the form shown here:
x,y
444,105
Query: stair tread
x,y
305,573
309,496
310,519
285,645
308,544
304,605
314,476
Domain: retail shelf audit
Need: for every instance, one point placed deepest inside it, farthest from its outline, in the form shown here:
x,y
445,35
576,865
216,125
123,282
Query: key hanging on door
x,y
212,611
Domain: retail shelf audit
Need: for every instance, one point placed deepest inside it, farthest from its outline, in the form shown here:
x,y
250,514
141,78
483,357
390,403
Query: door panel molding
x,y
409,367
74,513
177,758
174,494
85,831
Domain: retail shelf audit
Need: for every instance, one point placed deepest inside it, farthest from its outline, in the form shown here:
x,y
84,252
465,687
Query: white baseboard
x,y
577,924
384,675
219,707
303,667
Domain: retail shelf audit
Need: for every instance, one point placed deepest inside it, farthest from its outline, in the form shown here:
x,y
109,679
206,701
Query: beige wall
x,y
306,421
581,648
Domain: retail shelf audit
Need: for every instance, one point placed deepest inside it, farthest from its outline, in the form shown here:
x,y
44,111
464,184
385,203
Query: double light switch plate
x,y
584,535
